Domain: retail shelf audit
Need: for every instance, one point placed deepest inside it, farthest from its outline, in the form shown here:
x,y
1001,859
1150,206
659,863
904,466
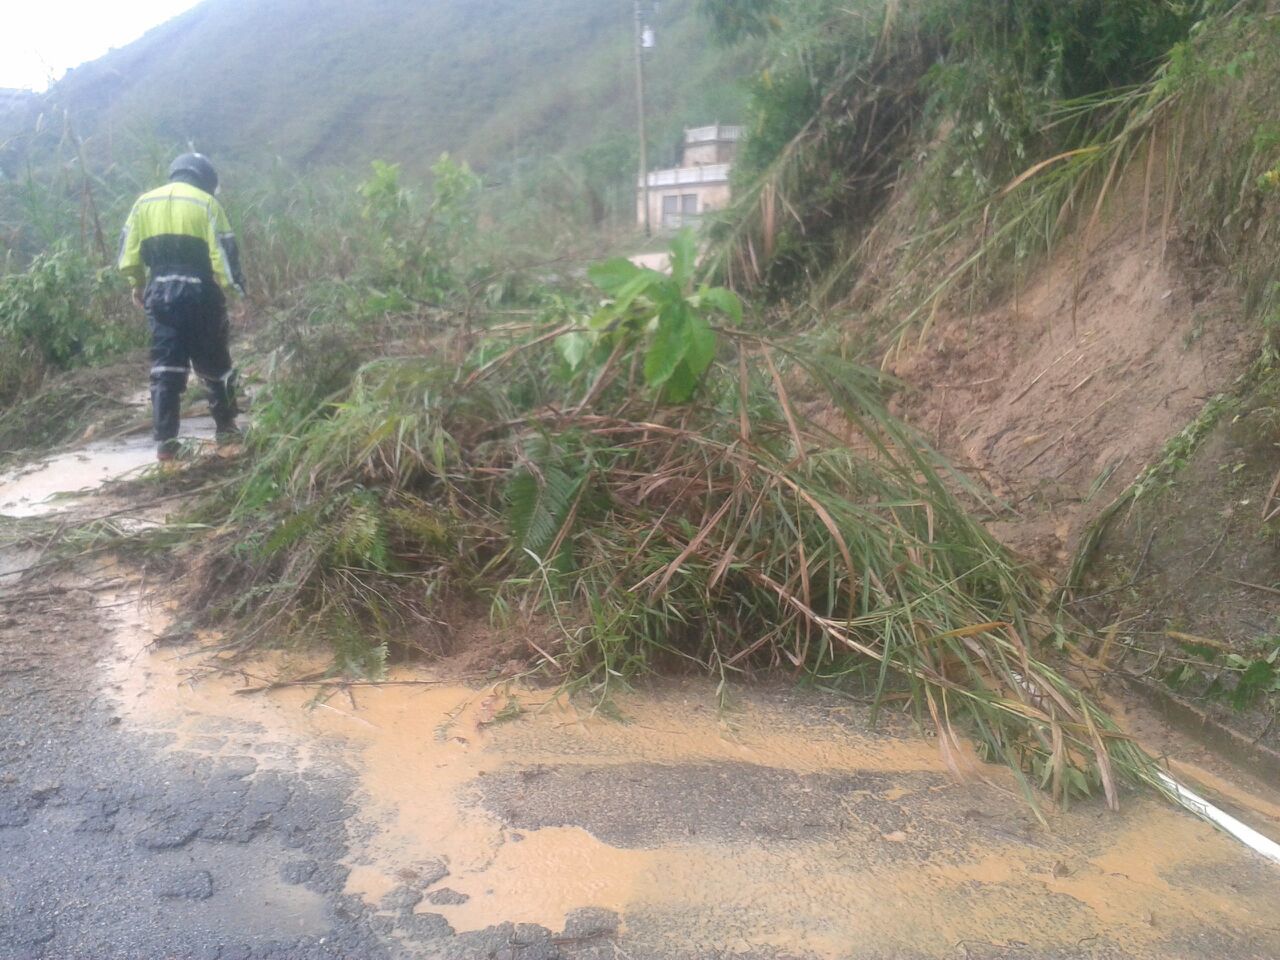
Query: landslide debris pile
x,y
1045,146
636,486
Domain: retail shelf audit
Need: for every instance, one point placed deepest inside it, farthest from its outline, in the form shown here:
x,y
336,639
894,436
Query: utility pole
x,y
644,138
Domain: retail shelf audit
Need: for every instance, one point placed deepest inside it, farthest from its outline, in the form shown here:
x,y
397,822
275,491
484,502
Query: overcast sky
x,y
43,38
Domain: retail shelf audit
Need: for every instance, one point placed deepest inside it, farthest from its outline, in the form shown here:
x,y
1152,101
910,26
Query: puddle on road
x,y
51,486
920,864
14,563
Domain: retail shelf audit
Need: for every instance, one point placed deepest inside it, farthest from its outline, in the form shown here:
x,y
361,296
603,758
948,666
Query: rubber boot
x,y
166,407
222,404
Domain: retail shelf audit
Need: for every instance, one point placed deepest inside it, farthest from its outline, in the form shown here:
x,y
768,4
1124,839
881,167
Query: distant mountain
x,y
340,81
15,103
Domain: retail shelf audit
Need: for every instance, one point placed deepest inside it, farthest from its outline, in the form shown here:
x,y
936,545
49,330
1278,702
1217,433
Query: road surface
x,y
149,809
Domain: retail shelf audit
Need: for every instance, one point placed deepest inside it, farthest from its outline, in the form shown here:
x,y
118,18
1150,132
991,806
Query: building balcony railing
x,y
720,132
683,176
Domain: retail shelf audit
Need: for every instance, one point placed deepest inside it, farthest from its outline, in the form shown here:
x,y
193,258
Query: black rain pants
x,y
189,329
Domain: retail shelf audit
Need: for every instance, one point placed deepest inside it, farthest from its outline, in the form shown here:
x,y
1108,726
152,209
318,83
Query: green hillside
x,y
330,82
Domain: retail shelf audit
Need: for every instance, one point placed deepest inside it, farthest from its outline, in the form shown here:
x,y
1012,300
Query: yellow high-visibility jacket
x,y
179,232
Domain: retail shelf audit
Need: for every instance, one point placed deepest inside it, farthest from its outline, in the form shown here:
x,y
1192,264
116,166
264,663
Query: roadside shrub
x,y
58,314
420,251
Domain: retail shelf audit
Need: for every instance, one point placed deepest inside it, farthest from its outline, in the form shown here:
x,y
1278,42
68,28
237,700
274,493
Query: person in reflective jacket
x,y
179,255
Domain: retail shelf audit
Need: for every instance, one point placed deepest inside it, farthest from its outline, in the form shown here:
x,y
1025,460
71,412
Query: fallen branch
x,y
1252,586
338,682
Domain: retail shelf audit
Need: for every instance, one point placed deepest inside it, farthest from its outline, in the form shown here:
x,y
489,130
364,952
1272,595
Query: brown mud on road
x,y
782,826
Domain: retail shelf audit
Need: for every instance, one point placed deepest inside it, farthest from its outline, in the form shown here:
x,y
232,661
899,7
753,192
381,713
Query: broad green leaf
x,y
603,317
667,350
642,282
611,275
684,256
702,345
726,301
682,383
574,347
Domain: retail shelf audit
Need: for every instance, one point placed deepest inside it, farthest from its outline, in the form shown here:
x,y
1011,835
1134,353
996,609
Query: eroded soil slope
x,y
1062,393
1191,572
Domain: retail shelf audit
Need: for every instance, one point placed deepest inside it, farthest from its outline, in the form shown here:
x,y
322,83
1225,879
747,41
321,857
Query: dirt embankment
x,y
1060,394
1191,573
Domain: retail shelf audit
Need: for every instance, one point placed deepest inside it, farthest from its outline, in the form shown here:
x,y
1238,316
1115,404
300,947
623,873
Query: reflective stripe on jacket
x,y
180,232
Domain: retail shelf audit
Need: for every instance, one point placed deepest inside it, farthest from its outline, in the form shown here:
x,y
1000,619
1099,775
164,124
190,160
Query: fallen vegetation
x,y
643,477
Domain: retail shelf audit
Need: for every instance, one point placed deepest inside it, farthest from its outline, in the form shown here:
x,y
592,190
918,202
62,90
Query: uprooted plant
x,y
661,485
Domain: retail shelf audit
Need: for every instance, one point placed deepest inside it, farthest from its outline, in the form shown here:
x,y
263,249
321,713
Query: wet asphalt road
x,y
112,847
116,846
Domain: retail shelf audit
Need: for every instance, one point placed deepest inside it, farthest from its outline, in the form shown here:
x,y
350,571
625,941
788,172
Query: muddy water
x,y
776,824
51,486
44,489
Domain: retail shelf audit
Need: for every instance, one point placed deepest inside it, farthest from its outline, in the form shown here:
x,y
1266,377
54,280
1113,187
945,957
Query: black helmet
x,y
195,169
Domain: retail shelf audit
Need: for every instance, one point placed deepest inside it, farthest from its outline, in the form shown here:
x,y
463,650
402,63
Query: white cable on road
x,y
1201,807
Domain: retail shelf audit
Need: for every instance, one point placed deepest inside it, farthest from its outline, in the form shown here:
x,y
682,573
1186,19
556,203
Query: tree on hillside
x,y
735,19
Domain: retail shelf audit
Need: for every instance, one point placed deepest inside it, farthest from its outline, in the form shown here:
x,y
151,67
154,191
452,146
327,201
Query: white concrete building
x,y
681,195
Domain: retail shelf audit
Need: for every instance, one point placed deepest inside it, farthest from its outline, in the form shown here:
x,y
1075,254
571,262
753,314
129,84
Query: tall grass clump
x,y
1223,149
645,477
